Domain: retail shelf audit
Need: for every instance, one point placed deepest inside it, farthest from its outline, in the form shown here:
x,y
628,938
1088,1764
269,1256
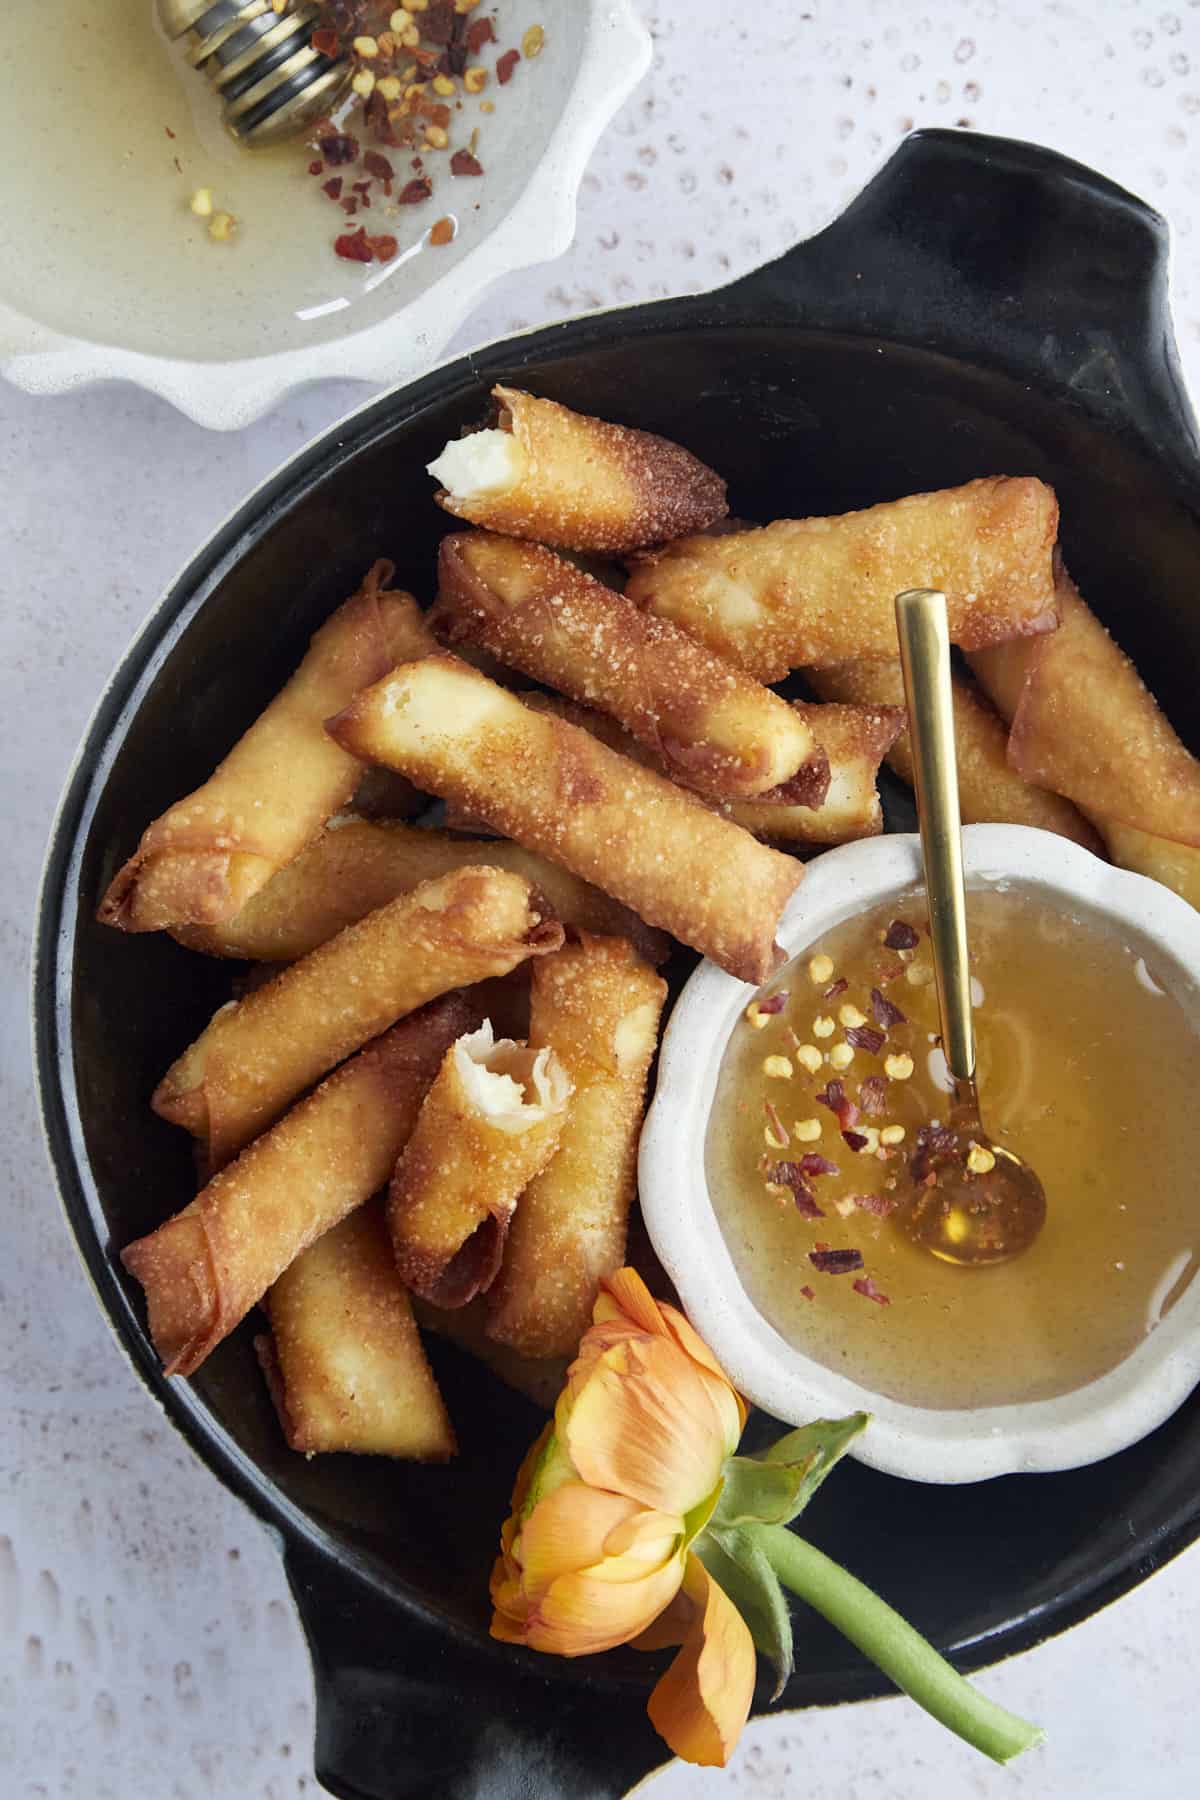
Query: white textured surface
x,y
148,1650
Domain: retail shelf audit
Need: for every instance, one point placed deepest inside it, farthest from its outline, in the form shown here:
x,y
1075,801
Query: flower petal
x,y
624,1295
703,1700
572,1530
584,1613
647,1423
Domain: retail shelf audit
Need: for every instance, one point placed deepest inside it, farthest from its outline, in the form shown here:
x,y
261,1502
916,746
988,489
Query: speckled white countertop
x,y
148,1648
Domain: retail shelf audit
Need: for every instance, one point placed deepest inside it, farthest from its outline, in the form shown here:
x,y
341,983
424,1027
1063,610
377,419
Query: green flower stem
x,y
893,1645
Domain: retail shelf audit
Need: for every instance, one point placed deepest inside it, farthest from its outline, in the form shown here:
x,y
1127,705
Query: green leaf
x,y
813,1449
759,1492
738,1565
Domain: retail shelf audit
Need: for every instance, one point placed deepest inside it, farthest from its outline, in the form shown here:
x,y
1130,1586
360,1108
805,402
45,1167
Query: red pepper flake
x,y
900,935
776,1124
813,1164
479,33
442,232
835,988
463,163
889,972
865,1037
361,187
774,1003
865,1285
413,192
933,1142
332,187
872,1096
316,167
325,42
790,1175
856,1140
505,66
338,148
833,1096
438,23
384,246
807,1293
835,1262
169,132
886,1014
376,164
879,1204
354,245
350,207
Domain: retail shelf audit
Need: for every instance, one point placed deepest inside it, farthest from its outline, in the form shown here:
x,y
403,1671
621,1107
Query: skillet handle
x,y
406,1711
1009,255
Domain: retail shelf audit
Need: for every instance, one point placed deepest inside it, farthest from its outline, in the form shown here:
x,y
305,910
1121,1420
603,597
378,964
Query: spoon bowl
x,y
977,1215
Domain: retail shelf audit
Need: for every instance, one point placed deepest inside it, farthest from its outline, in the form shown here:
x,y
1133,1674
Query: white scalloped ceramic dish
x,y
596,53
923,1444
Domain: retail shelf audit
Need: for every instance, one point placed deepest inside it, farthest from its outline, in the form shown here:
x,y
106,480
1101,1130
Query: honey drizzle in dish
x,y
1086,1067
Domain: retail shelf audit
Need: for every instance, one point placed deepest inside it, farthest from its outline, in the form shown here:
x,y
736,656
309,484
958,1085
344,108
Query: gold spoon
x,y
974,1201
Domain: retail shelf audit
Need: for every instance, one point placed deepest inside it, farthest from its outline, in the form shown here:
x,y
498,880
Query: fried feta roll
x,y
844,802
545,472
855,739
205,1268
356,865
712,727
1085,725
555,789
206,855
990,792
343,1359
488,1125
802,593
259,1052
598,1005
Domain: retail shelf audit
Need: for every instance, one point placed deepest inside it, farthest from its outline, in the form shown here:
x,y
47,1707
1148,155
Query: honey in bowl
x,y
832,1084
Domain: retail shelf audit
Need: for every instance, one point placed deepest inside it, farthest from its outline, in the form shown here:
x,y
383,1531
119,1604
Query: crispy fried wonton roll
x,y
802,593
714,728
989,791
851,741
205,1268
540,1379
356,865
563,478
210,852
599,1006
343,1359
258,1053
1085,724
855,740
557,790
489,1124
1177,866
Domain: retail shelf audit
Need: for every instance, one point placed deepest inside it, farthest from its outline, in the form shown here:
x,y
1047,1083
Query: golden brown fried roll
x,y
855,740
259,1052
539,1379
802,593
1085,725
712,727
598,1005
579,483
989,791
555,789
210,852
488,1125
356,865
851,741
343,1359
205,1268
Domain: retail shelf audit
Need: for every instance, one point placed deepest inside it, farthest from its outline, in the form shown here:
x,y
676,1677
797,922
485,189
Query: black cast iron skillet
x,y
983,307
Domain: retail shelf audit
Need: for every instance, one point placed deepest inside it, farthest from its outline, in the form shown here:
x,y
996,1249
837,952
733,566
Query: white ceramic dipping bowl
x,y
923,1444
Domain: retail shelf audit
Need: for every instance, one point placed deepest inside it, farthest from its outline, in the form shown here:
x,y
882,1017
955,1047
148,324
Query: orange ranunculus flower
x,y
608,1502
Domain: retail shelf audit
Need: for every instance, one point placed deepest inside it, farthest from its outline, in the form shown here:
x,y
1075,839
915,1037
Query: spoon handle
x,y
925,657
